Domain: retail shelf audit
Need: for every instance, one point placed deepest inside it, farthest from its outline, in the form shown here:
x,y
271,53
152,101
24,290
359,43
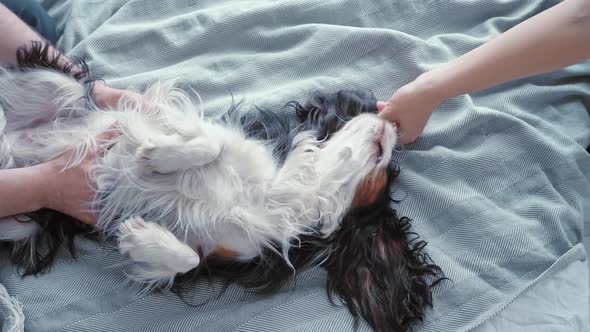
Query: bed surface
x,y
499,184
558,303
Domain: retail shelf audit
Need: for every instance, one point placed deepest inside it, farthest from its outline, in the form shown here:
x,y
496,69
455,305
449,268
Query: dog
x,y
251,197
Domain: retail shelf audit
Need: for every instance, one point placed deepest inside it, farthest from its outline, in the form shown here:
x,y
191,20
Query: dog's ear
x,y
380,270
327,113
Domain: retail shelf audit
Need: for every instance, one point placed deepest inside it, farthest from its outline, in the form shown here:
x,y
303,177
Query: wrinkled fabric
x,y
498,183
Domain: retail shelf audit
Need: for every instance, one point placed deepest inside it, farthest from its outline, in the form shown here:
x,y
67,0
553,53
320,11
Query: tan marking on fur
x,y
368,191
224,252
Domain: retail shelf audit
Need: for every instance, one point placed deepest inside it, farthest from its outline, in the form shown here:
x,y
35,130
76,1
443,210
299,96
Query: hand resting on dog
x,y
46,185
51,185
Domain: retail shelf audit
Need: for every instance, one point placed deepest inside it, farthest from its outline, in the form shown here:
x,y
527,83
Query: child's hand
x,y
410,108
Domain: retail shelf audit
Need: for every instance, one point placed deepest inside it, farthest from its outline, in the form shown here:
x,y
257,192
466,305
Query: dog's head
x,y
354,139
375,264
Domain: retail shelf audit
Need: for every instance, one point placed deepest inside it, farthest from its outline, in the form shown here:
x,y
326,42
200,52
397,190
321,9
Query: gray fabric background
x,y
499,184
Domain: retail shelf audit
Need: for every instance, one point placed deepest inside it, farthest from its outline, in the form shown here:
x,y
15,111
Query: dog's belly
x,y
214,208
234,216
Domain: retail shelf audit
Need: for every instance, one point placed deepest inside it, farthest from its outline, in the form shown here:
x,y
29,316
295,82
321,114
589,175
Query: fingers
x,y
109,134
405,135
381,105
405,138
104,141
87,218
107,97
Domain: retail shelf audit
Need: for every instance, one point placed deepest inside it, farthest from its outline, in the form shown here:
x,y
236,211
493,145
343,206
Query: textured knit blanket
x,y
499,183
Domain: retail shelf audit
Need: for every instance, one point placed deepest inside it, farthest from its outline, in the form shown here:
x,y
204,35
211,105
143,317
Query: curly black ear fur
x,y
380,269
327,113
265,125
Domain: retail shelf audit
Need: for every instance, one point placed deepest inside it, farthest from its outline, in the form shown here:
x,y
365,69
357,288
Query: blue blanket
x,y
499,183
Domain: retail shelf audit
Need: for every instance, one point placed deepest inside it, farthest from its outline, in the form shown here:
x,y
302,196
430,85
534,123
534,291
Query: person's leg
x,y
31,12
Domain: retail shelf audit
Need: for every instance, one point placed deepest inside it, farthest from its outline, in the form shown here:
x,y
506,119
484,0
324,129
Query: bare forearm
x,y
21,190
14,33
555,38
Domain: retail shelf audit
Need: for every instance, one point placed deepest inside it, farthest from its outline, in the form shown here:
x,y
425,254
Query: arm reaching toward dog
x,y
14,33
555,38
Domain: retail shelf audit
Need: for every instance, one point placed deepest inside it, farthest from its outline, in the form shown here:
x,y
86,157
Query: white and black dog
x,y
251,196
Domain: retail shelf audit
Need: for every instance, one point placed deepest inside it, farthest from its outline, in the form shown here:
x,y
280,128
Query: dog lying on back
x,y
251,197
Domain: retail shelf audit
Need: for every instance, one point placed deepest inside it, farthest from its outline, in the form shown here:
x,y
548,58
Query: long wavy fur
x,y
380,269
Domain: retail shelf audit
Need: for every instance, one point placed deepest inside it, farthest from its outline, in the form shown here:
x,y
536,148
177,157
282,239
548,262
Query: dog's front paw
x,y
162,255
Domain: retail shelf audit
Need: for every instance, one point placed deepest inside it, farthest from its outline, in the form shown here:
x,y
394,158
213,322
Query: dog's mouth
x,y
380,142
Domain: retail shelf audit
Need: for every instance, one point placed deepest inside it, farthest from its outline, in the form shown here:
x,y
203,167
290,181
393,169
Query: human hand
x,y
410,107
68,190
104,96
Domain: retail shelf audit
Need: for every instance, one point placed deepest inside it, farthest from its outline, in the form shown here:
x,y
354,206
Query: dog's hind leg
x,y
158,254
172,153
